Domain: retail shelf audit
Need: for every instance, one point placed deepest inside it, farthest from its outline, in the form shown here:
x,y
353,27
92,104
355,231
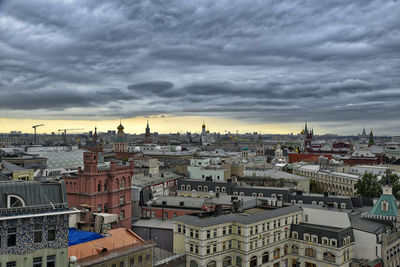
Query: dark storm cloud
x,y
269,61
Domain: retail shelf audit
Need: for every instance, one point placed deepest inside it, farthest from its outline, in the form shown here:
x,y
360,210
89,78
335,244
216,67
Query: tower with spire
x,y
120,142
371,141
147,136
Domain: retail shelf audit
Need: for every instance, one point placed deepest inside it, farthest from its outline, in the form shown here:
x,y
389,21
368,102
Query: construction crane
x,y
34,127
65,133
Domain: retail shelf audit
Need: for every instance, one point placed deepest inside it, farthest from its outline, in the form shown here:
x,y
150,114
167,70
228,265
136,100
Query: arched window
x,y
193,264
265,257
99,187
329,256
285,250
277,253
311,253
227,261
295,249
239,261
122,184
105,186
117,183
212,264
122,200
253,261
14,201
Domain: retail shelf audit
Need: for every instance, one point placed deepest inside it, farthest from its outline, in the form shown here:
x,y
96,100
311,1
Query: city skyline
x,y
267,66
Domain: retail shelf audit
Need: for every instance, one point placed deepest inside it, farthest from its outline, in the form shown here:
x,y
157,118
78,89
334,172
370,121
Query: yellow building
x,y
260,238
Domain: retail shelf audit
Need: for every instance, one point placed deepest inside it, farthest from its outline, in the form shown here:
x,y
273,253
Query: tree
x,y
369,186
315,187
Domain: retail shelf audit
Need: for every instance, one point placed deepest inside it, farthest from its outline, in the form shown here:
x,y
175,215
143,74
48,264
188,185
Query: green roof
x,y
392,207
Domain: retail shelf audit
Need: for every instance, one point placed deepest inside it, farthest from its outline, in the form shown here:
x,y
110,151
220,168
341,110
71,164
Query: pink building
x,y
106,190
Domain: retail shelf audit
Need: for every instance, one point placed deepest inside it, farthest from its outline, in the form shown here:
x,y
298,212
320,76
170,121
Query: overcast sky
x,y
333,63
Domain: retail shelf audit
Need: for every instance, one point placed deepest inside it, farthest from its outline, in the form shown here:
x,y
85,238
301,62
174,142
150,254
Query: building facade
x,y
33,224
102,190
236,239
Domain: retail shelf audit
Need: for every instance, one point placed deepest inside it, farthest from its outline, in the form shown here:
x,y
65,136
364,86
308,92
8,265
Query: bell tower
x,y
90,161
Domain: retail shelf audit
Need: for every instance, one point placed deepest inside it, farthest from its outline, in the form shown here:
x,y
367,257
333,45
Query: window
x,y
241,194
306,218
188,187
306,237
215,233
11,237
122,184
99,187
235,194
385,206
175,215
342,205
329,256
230,230
121,264
212,264
11,264
260,195
122,214
253,261
140,259
14,201
99,208
199,188
314,239
217,189
105,186
277,253
239,261
182,187
205,188
196,233
132,262
37,233
208,233
227,261
193,264
51,232
285,250
265,257
215,248
239,230
179,228
253,194
122,200
224,231
37,262
208,249
310,253
333,242
325,241
191,233
105,207
223,189
51,261
295,249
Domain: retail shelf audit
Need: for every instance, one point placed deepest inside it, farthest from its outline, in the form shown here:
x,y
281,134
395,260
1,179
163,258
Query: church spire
x,y
305,128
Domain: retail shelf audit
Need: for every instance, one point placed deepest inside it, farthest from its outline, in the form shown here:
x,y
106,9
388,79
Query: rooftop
x,y
236,217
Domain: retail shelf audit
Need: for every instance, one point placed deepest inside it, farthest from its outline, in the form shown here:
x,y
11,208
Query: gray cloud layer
x,y
260,61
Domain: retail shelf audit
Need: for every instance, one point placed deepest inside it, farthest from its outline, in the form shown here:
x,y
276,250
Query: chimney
x,y
218,209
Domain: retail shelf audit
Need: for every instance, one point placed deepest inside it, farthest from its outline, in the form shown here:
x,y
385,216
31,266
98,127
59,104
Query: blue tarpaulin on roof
x,y
76,237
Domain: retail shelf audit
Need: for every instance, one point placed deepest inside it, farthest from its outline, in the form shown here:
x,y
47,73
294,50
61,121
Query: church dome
x,y
120,127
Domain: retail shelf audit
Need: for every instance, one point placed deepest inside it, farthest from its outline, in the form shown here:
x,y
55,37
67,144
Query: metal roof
x,y
236,217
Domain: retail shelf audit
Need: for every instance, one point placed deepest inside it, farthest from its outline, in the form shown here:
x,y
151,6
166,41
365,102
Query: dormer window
x,y
385,205
14,201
